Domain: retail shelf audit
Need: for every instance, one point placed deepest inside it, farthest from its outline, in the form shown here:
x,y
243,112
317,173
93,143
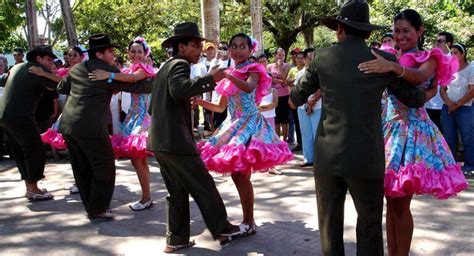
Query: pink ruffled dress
x,y
417,158
245,141
131,140
51,136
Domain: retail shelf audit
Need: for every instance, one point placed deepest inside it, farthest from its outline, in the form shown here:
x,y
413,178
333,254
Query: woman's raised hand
x,y
98,75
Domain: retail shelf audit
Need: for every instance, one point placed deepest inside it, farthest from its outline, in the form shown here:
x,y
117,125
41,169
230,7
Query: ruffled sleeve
x,y
226,88
445,70
149,70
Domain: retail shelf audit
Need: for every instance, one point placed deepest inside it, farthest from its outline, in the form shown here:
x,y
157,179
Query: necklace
x,y
241,65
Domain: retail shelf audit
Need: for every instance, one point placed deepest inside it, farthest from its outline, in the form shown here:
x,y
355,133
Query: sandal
x,y
174,248
33,196
228,237
250,229
139,206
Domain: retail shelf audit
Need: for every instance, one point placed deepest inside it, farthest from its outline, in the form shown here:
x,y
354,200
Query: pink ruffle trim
x,y
54,139
417,179
62,72
258,156
447,65
226,88
149,70
133,146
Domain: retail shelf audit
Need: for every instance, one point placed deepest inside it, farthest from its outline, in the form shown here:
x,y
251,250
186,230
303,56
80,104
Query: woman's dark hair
x,y
461,48
388,35
415,20
263,55
136,42
184,40
249,40
119,60
355,32
78,50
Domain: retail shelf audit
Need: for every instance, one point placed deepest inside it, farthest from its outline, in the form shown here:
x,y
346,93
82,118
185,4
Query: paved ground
x,y
285,211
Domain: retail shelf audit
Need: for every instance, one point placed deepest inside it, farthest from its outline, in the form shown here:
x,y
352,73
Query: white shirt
x,y
268,99
198,70
223,63
436,102
297,79
460,85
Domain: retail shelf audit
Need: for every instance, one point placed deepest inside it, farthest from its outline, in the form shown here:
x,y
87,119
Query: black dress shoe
x,y
107,215
306,164
296,148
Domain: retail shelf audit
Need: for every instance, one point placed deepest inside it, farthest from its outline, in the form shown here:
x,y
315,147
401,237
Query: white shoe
x,y
137,206
74,189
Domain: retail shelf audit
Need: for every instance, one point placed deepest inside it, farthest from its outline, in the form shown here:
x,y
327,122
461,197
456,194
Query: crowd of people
x,y
387,119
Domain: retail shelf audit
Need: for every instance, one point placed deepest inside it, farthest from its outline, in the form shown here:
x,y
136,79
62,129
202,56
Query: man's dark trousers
x,y
367,195
184,175
27,148
93,165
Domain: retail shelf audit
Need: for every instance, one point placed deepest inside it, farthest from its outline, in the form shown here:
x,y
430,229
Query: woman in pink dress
x,y
418,159
130,142
246,141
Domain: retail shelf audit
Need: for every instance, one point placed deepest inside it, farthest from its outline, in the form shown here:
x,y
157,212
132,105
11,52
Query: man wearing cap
x,y
18,104
171,139
210,51
84,125
349,149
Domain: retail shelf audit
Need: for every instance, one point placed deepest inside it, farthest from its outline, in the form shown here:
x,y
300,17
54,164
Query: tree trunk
x,y
309,37
32,25
69,23
257,26
210,19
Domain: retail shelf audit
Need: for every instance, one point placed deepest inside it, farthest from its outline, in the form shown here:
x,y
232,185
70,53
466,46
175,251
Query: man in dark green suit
x,y
84,125
349,148
170,138
18,104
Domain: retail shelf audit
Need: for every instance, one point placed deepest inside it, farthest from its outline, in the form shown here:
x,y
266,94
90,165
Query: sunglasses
x,y
440,41
223,48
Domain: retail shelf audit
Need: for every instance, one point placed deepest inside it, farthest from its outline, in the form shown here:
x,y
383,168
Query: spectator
x,y
456,113
279,70
435,104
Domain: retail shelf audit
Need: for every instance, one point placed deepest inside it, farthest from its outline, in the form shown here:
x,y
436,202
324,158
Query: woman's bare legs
x,y
399,223
245,189
143,172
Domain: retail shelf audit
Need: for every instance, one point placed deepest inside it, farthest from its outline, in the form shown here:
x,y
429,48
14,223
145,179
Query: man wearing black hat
x,y
84,125
18,104
349,149
171,139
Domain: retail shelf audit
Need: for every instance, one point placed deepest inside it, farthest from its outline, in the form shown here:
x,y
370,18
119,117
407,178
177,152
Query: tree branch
x,y
270,27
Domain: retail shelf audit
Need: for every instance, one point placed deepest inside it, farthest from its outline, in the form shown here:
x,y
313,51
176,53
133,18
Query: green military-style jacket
x,y
88,106
349,140
22,92
170,108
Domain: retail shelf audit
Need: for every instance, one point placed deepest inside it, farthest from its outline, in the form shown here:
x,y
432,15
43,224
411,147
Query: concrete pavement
x,y
285,211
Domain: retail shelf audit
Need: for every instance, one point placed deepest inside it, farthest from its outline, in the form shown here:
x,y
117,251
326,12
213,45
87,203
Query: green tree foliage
x,y
287,19
12,16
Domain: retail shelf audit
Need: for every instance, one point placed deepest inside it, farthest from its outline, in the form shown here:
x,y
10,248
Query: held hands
x,y
218,73
37,71
98,75
452,107
195,102
379,65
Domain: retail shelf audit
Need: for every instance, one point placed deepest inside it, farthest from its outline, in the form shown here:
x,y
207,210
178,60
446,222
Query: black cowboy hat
x,y
40,49
353,13
98,41
183,30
